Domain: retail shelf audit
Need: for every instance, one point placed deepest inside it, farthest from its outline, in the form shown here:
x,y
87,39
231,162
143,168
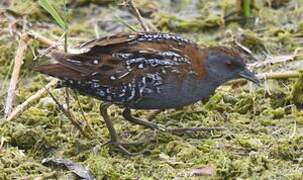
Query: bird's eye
x,y
228,63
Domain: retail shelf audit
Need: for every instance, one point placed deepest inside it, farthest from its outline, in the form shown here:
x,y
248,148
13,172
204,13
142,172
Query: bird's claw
x,y
121,147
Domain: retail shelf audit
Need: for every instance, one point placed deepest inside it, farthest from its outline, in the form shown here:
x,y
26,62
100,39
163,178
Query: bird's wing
x,y
127,57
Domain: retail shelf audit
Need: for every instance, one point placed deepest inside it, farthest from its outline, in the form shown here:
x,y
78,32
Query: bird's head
x,y
225,64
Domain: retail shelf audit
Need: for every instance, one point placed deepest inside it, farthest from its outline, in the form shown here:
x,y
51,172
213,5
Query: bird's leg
x,y
128,116
112,132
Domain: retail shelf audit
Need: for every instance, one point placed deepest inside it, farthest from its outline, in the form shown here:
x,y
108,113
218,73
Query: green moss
x,y
179,24
288,149
278,94
249,142
274,113
105,166
35,12
244,104
213,102
297,91
299,116
252,40
182,151
34,116
27,7
265,121
15,165
6,57
25,138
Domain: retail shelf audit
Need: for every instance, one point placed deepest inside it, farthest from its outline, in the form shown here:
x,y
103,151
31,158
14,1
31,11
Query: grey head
x,y
224,64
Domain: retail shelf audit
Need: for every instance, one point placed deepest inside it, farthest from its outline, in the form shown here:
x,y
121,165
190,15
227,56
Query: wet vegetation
x,y
263,126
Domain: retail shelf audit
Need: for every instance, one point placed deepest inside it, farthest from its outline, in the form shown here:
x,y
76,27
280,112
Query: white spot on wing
x,y
96,62
140,66
73,61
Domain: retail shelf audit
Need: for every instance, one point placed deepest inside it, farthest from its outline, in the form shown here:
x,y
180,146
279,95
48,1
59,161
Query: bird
x,y
146,70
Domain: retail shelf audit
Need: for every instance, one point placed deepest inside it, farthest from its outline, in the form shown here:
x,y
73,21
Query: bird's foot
x,y
121,146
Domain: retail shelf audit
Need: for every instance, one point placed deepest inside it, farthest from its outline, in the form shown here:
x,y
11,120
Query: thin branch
x,y
66,51
23,43
122,21
80,106
138,15
70,116
274,75
67,98
52,44
89,128
279,75
47,42
276,59
194,129
2,141
245,49
24,106
50,48
271,59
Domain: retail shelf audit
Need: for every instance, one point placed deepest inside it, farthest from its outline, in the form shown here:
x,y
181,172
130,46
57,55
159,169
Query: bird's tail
x,y
61,70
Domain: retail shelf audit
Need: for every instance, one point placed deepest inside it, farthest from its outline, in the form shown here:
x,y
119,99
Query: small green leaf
x,y
52,11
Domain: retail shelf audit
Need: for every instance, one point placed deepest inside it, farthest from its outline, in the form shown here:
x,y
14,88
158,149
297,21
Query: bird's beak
x,y
247,74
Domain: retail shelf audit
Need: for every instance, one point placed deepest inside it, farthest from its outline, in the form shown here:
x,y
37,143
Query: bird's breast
x,y
174,94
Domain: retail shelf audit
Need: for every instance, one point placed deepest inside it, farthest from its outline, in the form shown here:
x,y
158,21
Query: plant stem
x,y
246,4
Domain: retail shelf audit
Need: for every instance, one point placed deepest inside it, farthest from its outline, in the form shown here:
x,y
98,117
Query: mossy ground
x,y
263,136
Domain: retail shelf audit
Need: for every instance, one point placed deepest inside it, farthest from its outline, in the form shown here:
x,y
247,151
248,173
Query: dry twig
x,y
47,42
70,116
23,43
194,129
138,15
271,59
276,59
22,107
273,75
